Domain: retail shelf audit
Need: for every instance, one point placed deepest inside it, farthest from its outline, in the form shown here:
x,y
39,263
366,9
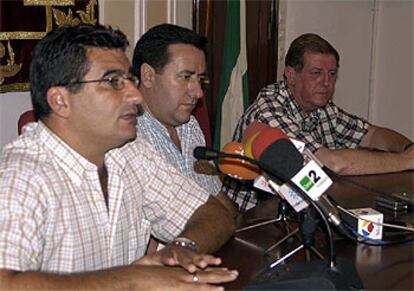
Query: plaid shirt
x,y
53,214
191,136
328,127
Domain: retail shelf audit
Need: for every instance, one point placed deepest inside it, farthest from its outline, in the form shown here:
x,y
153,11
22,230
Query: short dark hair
x,y
60,58
308,42
152,47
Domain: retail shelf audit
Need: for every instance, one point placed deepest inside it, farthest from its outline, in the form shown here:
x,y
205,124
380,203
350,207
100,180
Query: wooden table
x,y
385,267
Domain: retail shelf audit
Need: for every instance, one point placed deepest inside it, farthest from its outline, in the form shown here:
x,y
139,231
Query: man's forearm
x,y
210,226
119,278
385,140
132,277
228,204
360,161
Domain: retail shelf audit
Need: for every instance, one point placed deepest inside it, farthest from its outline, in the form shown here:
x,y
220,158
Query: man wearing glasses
x,y
80,196
170,62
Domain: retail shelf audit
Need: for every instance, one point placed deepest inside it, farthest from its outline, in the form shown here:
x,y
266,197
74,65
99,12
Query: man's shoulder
x,y
25,160
274,89
25,152
275,94
272,99
141,154
334,112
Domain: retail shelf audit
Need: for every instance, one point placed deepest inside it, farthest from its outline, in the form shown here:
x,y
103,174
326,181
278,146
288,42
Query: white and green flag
x,y
233,90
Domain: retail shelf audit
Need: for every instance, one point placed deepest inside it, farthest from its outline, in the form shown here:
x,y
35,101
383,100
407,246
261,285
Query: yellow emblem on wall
x,y
10,69
23,23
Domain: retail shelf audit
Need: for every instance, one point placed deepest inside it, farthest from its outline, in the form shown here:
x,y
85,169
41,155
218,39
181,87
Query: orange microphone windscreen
x,y
252,129
248,151
237,168
266,137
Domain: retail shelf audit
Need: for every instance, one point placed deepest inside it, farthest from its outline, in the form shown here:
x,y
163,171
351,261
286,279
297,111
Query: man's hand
x,y
132,277
169,278
175,255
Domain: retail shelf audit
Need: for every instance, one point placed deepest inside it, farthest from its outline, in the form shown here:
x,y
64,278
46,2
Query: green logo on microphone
x,y
306,183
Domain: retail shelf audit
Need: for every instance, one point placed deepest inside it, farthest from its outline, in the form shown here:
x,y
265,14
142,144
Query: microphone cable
x,y
374,242
406,228
366,240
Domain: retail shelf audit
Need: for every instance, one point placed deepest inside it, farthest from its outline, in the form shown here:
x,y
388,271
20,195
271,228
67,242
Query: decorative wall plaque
x,y
23,23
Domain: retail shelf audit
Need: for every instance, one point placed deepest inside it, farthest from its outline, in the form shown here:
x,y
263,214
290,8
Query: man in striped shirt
x,y
80,196
170,62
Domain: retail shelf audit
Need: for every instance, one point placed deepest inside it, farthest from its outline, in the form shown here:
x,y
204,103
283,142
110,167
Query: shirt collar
x,y
153,122
74,164
308,121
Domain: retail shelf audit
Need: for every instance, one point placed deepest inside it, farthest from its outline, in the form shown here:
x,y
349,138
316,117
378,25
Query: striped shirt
x,y
53,213
329,127
191,136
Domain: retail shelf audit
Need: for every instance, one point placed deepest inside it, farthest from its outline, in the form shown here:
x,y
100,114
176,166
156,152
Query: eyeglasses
x,y
117,82
187,77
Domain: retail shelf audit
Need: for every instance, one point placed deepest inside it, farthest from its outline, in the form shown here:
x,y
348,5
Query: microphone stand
x,y
212,154
283,216
338,273
283,206
307,228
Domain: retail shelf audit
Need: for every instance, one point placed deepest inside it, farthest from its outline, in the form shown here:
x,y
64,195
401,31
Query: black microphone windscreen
x,y
205,153
282,157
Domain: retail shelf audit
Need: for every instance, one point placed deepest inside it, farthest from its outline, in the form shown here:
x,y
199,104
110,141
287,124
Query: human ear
x,y
147,75
57,98
290,74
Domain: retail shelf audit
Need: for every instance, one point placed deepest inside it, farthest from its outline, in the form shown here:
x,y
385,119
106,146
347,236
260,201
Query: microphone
x,y
268,141
265,138
286,162
295,166
323,205
232,162
236,167
279,158
249,135
253,129
256,127
282,160
276,150
205,153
